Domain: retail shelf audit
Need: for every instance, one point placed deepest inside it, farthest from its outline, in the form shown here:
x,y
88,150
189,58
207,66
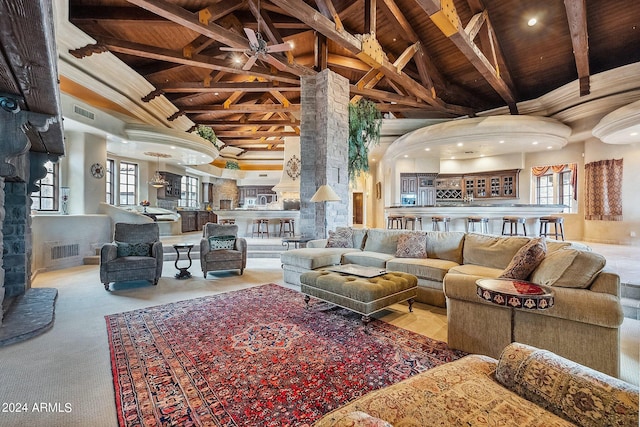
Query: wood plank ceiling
x,y
436,58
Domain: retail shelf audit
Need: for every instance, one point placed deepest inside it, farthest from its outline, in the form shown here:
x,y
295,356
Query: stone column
x,y
16,231
324,147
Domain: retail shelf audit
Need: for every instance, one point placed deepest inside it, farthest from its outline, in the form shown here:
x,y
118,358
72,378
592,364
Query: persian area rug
x,y
254,357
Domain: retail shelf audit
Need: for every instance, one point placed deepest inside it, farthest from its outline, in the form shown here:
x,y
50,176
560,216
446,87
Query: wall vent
x,y
84,113
61,253
262,175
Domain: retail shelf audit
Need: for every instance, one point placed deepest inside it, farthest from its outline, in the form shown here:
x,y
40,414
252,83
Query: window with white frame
x,y
188,192
556,184
110,199
128,183
46,199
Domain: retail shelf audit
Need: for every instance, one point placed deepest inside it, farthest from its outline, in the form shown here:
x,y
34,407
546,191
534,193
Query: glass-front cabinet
x,y
501,184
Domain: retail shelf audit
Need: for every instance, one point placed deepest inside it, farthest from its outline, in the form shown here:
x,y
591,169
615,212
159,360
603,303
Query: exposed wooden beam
x,y
382,95
327,9
370,10
255,134
240,108
318,22
200,87
321,52
161,54
258,123
254,142
577,17
449,23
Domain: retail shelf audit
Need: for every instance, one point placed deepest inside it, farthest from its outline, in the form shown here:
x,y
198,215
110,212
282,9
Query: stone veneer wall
x,y
223,189
2,210
324,149
16,231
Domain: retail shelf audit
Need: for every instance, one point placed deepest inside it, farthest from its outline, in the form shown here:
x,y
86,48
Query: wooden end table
x,y
514,294
183,272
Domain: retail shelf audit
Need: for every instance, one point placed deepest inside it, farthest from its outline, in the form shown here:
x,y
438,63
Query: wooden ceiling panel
x,y
449,80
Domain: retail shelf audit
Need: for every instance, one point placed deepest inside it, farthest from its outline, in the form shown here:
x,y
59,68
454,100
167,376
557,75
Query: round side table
x,y
514,294
183,272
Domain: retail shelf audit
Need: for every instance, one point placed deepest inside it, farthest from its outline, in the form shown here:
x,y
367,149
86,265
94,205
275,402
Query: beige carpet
x,y
68,368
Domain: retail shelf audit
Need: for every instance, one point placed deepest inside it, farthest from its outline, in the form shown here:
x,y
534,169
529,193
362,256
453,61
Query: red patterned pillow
x,y
526,259
412,245
341,238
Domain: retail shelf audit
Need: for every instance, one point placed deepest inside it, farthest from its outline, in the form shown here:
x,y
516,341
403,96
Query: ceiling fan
x,y
258,49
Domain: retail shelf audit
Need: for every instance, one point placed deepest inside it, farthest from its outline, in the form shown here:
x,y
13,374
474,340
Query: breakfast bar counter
x,y
244,218
459,211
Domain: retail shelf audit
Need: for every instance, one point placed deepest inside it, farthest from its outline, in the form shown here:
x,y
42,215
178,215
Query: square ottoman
x,y
362,295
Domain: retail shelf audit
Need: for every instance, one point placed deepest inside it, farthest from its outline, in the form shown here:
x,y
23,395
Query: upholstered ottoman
x,y
362,295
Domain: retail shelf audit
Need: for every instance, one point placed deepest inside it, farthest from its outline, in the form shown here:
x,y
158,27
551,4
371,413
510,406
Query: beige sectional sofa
x,y
525,387
583,325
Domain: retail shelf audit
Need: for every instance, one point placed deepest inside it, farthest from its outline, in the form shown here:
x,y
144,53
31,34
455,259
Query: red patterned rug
x,y
254,357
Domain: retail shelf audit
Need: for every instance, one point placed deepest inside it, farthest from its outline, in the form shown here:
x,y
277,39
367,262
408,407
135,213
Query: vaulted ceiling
x,y
413,58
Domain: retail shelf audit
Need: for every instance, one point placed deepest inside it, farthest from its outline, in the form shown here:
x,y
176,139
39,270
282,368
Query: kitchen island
x,y
459,211
244,219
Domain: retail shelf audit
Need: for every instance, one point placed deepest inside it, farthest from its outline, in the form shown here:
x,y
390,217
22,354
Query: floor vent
x,y
84,113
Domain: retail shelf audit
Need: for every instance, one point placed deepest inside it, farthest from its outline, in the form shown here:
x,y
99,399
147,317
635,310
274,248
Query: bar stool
x,y
226,221
260,227
556,221
287,227
513,222
413,220
436,220
473,220
394,221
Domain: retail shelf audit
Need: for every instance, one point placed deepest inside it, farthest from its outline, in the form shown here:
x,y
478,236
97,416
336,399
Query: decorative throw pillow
x,y
133,249
222,242
412,245
341,238
526,259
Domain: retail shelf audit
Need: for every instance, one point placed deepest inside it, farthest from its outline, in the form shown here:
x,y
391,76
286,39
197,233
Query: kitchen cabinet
x,y
188,221
171,191
408,183
502,184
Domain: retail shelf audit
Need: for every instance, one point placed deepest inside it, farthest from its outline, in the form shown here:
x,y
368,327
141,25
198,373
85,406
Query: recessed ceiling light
x,y
535,142
633,133
501,141
236,60
406,155
373,160
531,22
124,141
481,155
453,157
216,93
292,44
427,149
173,147
460,144
549,147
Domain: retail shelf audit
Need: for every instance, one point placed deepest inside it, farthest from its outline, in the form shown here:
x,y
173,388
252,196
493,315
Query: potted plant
x,y
365,121
207,133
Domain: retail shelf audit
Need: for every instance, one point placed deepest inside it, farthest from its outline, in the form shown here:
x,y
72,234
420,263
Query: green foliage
x,y
231,165
364,131
207,133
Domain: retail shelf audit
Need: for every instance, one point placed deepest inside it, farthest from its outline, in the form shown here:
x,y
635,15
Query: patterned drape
x,y
603,190
541,170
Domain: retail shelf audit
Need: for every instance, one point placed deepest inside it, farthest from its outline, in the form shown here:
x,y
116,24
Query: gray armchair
x,y
135,254
222,259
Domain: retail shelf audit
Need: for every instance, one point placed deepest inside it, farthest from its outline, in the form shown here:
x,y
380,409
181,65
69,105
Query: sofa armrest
x,y
317,243
572,391
108,252
606,282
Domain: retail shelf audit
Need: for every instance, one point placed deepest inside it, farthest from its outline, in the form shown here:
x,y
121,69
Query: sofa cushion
x,y
383,241
526,260
360,419
359,237
477,270
412,245
569,268
341,238
313,258
423,268
491,251
366,258
133,249
131,263
459,393
221,255
445,245
569,390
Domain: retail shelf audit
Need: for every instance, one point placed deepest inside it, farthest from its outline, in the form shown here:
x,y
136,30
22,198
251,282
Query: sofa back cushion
x,y
491,251
574,392
382,240
569,268
446,245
